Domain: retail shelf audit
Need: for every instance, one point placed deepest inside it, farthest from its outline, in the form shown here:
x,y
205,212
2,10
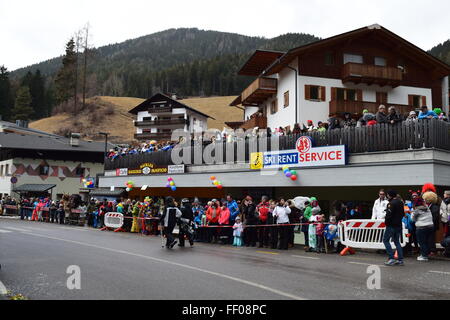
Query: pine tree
x,y
66,77
6,101
22,109
37,90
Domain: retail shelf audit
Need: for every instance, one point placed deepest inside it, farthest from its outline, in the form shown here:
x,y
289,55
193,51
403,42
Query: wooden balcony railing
x,y
259,90
260,122
339,107
160,110
371,74
153,136
146,123
432,133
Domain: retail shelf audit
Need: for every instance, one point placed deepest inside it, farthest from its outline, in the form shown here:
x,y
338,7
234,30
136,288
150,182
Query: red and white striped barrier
x,y
114,220
366,234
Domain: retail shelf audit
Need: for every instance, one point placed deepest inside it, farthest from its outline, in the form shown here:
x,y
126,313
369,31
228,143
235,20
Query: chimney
x,y
75,139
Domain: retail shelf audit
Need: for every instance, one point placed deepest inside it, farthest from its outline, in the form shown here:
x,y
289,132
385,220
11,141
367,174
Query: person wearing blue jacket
x,y
427,114
233,207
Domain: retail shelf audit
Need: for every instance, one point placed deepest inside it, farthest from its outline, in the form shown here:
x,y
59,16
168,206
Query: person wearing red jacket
x,y
263,212
212,217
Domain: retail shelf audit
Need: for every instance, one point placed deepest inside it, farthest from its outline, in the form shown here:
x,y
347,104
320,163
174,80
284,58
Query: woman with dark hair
x,y
169,220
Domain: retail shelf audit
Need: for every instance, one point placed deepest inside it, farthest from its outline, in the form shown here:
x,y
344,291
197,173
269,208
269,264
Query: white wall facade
x,y
285,115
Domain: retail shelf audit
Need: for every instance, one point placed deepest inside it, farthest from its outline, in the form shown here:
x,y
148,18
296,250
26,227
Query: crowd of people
x,y
389,116
424,215
267,223
139,148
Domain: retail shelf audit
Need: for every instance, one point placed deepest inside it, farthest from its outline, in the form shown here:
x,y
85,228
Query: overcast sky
x,y
32,31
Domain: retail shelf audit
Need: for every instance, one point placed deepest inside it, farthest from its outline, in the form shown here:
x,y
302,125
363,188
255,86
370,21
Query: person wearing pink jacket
x,y
224,220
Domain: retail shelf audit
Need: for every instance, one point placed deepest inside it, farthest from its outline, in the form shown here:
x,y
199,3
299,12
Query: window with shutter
x,y
333,93
286,99
359,95
274,107
354,58
424,101
307,92
415,100
323,94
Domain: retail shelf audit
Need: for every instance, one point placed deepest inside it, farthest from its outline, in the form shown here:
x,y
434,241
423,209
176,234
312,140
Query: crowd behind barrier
x,y
335,121
267,223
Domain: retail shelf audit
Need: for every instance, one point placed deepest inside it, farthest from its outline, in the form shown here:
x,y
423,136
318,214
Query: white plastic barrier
x,y
366,234
114,220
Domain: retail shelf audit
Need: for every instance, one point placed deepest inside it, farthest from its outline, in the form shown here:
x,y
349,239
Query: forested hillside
x,y
189,62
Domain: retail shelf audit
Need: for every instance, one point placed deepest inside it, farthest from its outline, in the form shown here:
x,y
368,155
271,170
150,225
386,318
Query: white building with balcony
x,y
160,115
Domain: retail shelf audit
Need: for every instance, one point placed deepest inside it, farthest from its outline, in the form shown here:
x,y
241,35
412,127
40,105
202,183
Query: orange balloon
x,y
213,178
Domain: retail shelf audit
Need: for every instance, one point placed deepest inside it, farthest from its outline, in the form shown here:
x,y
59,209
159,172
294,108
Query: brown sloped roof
x,y
258,62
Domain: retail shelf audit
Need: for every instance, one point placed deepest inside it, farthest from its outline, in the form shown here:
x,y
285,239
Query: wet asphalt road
x,y
35,257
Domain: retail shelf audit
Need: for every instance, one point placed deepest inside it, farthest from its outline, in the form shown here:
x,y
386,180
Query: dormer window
x,y
353,58
380,61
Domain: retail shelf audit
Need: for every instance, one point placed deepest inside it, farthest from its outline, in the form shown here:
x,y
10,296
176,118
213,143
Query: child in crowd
x,y
320,226
312,229
238,229
331,234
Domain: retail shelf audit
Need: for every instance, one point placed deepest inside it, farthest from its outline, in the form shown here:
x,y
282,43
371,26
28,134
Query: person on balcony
x,y
427,114
381,115
394,117
348,121
412,118
333,122
296,129
310,126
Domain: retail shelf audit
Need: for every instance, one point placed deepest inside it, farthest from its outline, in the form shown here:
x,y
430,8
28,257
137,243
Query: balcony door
x,y
382,98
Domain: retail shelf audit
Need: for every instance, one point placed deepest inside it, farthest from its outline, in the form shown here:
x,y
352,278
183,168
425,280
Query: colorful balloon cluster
x,y
171,184
217,183
129,185
88,183
290,173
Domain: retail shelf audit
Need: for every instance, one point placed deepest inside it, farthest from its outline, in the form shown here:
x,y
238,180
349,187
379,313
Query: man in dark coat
x,y
394,214
187,216
251,219
381,115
